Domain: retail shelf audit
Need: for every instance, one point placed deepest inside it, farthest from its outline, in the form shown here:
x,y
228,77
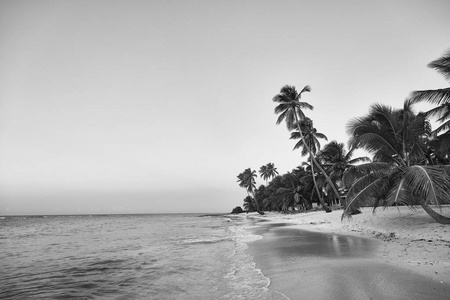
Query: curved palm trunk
x,y
322,202
314,159
437,217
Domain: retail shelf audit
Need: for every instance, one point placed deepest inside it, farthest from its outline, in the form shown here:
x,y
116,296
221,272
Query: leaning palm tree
x,y
398,175
290,109
441,98
246,180
310,137
268,171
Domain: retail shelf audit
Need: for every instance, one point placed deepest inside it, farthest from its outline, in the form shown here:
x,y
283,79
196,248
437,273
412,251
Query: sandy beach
x,y
403,244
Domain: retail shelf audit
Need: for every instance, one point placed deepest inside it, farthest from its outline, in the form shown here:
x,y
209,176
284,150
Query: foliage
x,y
249,205
268,171
247,180
440,145
410,163
290,110
398,175
237,210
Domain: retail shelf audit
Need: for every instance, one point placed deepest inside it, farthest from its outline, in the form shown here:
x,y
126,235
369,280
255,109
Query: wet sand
x,y
304,264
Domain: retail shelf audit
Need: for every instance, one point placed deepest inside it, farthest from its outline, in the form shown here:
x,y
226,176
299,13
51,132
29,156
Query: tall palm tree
x,y
247,180
397,175
309,137
290,110
441,98
268,171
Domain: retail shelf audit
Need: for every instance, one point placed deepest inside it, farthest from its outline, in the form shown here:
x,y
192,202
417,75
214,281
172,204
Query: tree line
x,y
409,165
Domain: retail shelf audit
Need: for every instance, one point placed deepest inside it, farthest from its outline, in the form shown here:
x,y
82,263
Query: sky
x,y
156,106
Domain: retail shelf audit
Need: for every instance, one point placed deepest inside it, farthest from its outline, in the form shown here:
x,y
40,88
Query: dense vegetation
x,y
410,164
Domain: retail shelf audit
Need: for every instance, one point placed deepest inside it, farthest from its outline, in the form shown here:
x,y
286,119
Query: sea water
x,y
170,256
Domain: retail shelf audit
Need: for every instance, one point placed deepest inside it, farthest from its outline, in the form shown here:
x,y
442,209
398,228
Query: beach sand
x,y
396,253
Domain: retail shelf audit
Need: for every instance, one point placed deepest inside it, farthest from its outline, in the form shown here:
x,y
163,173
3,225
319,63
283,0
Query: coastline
x,y
408,254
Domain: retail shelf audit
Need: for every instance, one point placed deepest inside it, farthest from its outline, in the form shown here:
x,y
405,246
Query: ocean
x,y
160,256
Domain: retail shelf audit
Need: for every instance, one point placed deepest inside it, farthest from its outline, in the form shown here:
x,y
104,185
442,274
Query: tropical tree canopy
x,y
290,110
336,160
410,166
268,171
391,135
399,174
247,180
440,98
289,107
309,136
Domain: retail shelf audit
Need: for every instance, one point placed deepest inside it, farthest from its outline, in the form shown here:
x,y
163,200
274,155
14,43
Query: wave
x,y
208,240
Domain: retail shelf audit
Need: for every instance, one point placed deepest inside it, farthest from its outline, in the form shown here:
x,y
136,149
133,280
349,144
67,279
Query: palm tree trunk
x,y
314,159
324,205
437,217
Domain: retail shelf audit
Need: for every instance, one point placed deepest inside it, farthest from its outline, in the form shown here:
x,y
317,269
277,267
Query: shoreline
x,y
409,239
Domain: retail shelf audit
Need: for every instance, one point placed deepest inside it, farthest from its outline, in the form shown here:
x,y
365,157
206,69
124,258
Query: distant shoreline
x,y
110,214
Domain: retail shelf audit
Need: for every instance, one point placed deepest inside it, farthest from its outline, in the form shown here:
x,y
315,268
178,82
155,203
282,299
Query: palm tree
x,y
309,137
337,160
307,186
268,171
290,110
248,204
247,180
272,202
397,175
288,190
441,98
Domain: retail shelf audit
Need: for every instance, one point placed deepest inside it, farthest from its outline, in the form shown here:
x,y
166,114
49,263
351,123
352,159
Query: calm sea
x,y
128,257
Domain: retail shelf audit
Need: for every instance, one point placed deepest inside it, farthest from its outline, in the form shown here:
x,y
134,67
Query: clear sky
x,y
156,106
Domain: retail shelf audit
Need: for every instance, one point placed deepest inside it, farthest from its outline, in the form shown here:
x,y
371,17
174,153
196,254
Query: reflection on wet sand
x,y
310,265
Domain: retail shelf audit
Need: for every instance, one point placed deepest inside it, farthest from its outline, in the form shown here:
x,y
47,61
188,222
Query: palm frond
x,y
442,65
354,124
358,160
307,88
295,135
368,186
303,105
430,183
400,194
281,117
438,112
437,97
380,169
444,142
373,142
384,113
321,136
289,90
443,127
